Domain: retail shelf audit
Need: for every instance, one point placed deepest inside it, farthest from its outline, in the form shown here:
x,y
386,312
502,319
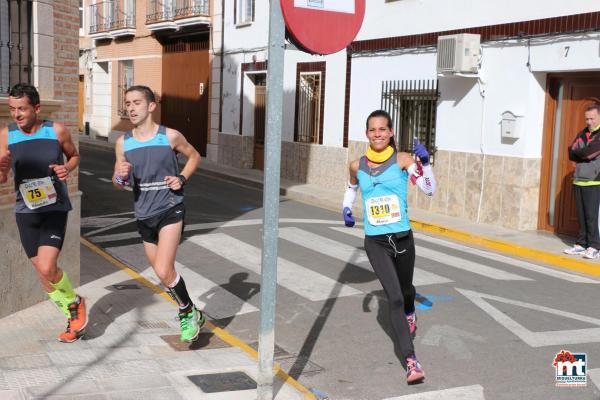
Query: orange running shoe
x,y
76,323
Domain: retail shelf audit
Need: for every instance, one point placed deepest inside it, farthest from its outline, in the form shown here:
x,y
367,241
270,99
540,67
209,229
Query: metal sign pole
x,y
268,288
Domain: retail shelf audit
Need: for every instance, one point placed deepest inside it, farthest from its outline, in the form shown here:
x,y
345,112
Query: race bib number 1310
x,y
383,210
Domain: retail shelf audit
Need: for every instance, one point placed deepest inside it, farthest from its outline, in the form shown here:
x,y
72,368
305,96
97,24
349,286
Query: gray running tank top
x,y
31,156
152,160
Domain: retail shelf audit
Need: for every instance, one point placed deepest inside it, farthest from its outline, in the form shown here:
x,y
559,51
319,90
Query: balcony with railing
x,y
113,18
173,14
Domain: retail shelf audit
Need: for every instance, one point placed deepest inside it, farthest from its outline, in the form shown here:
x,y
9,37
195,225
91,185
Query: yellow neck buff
x,y
379,156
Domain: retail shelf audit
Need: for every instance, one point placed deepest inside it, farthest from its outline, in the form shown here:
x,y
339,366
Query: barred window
x,y
308,117
15,43
412,106
125,82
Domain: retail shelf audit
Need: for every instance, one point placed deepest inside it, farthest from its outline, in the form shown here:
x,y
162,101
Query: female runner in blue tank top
x,y
383,175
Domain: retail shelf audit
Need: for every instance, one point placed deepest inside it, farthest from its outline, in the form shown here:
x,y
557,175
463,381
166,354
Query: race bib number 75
x,y
383,210
38,193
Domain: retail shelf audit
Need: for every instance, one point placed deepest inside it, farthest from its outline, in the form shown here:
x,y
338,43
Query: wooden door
x,y
260,101
571,94
184,99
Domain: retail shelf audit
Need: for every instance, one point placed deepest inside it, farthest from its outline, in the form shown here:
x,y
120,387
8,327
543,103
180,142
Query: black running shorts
x,y
149,227
41,229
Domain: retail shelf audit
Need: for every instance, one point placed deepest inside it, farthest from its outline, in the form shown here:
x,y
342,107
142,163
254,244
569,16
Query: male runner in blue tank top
x,y
383,175
34,149
146,160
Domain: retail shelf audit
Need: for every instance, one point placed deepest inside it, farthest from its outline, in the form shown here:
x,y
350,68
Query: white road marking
x,y
474,392
294,277
451,261
106,228
81,171
216,225
209,296
105,180
508,260
536,339
348,254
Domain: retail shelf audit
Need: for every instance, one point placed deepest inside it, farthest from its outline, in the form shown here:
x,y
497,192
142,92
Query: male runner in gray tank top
x,y
35,150
146,160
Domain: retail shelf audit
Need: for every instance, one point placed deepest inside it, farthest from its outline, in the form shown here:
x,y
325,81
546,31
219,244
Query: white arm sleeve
x,y
426,182
349,196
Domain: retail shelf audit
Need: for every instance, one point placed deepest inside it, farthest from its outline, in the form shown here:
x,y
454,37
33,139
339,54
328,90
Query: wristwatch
x,y
182,180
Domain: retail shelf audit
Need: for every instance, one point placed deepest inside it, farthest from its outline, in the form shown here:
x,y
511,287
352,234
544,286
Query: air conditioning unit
x,y
458,53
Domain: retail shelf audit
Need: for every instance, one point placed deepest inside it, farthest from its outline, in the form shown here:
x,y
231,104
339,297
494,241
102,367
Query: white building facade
x,y
499,134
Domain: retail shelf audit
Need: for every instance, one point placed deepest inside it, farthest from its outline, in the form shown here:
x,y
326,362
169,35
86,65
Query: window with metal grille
x,y
125,82
15,43
308,116
412,106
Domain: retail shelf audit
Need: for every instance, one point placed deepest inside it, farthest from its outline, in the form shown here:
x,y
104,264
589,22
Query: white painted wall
x,y
469,111
409,17
101,99
368,72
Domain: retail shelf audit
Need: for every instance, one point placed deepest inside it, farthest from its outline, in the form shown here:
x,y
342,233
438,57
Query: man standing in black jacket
x,y
585,151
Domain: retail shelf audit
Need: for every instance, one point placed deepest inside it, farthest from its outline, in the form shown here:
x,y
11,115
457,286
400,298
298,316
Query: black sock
x,y
180,294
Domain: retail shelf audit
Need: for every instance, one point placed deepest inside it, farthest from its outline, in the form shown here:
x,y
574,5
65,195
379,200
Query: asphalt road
x,y
489,326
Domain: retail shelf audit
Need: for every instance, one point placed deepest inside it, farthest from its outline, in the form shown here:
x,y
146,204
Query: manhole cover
x,y
223,382
205,341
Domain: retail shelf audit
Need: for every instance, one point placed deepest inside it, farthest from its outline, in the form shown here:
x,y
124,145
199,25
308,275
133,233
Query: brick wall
x,y
58,20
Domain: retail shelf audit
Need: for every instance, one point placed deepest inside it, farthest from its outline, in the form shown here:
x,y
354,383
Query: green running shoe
x,y
191,323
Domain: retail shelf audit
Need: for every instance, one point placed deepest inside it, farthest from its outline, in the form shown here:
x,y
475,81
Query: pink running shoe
x,y
414,371
412,323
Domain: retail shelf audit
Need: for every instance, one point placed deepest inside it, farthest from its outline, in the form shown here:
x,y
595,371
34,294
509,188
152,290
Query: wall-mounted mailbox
x,y
509,125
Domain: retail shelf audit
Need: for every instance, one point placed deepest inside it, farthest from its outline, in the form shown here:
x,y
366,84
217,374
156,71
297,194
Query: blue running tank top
x,y
384,197
32,154
152,160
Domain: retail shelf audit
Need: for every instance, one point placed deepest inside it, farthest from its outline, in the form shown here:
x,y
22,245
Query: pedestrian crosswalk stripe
x,y
294,277
456,262
220,302
510,261
81,171
207,295
347,253
474,392
105,180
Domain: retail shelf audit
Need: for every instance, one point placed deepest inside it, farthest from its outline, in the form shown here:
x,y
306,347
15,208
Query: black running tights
x,y
393,259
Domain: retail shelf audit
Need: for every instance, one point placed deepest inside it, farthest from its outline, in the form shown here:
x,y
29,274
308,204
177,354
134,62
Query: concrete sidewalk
x,y
131,349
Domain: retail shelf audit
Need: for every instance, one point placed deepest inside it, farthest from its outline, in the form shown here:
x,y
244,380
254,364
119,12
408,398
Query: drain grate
x,y
153,325
279,352
223,382
205,341
299,365
126,286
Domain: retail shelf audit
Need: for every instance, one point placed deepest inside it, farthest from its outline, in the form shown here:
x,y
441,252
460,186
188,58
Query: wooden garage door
x,y
185,78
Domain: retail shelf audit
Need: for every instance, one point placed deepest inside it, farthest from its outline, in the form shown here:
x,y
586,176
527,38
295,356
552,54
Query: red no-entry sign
x,y
323,26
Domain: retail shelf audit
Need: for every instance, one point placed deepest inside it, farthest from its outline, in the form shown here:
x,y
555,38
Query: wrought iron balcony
x,y
171,14
112,18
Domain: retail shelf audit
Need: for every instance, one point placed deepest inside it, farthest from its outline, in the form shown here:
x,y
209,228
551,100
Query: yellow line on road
x,y
221,333
537,256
